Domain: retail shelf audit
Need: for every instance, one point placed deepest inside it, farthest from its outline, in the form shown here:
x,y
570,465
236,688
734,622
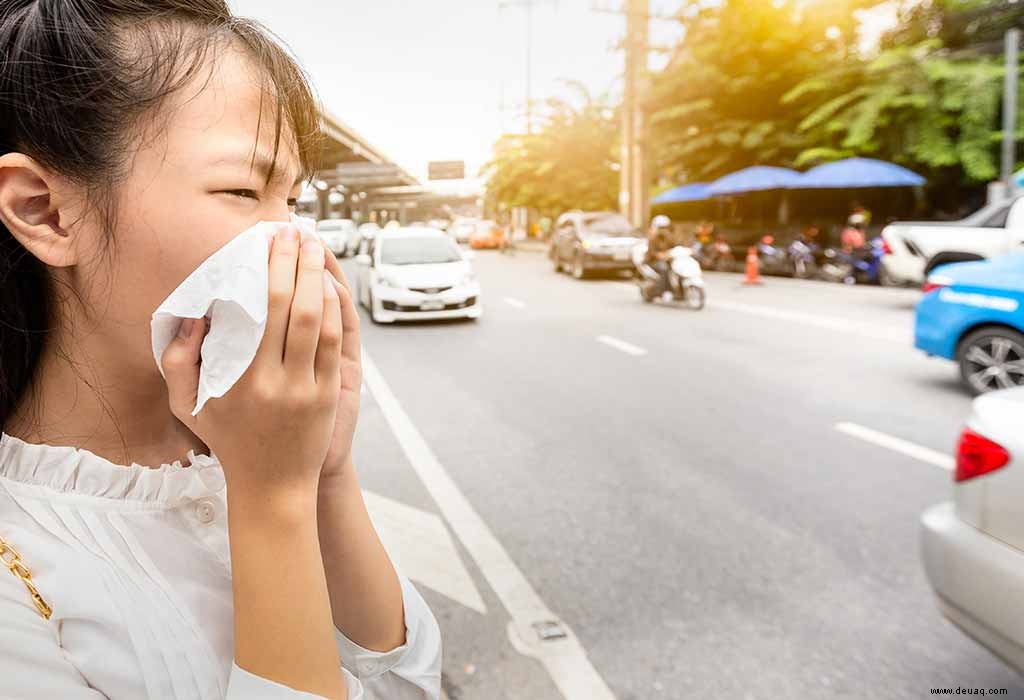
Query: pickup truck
x,y
915,248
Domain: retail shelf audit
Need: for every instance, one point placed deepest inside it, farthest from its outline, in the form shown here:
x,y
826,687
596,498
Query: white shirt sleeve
x,y
409,672
248,686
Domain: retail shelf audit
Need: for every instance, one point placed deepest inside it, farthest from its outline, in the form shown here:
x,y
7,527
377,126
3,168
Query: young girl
x,y
154,554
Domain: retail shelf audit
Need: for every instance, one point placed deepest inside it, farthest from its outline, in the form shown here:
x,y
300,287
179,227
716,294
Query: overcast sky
x,y
423,80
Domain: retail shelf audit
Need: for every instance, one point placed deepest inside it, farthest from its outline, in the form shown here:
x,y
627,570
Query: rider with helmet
x,y
659,242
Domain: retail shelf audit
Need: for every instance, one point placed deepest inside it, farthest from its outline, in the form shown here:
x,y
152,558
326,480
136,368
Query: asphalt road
x,y
673,486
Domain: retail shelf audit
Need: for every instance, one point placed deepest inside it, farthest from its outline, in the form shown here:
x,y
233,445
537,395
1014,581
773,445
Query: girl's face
x,y
192,187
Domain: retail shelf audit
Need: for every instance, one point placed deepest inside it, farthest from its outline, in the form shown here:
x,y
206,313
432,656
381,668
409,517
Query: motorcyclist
x,y
659,242
853,237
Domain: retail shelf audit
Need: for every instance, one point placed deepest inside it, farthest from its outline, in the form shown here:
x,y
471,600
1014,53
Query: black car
x,y
585,242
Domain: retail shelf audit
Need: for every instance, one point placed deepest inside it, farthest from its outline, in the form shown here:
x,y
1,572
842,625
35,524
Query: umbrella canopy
x,y
694,192
858,172
754,179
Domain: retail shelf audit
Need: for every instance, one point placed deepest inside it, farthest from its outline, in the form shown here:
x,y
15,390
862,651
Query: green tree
x,y
569,162
717,106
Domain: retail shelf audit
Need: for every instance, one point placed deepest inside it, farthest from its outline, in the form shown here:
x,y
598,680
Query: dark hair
x,y
78,78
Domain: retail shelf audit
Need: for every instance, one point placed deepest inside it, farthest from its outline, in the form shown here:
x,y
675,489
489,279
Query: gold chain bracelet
x,y
12,560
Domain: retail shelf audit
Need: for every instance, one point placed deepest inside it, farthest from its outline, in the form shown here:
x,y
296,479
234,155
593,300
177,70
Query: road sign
x,y
446,170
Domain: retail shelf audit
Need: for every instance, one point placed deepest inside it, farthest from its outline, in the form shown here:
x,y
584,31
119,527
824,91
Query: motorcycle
x,y
716,255
862,266
773,260
685,278
802,259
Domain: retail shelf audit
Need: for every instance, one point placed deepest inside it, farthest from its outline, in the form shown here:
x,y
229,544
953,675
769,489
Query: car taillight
x,y
977,455
886,248
935,282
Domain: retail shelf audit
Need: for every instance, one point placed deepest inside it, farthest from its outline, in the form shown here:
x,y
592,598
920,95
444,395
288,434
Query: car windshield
x,y
419,250
608,224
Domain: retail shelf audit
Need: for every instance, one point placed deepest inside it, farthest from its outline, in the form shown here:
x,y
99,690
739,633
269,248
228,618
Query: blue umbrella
x,y
695,192
754,179
858,172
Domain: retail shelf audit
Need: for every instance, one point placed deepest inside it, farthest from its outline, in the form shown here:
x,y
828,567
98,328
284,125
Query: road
x,y
673,486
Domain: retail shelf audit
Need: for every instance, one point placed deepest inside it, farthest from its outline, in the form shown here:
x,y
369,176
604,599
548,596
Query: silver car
x,y
973,546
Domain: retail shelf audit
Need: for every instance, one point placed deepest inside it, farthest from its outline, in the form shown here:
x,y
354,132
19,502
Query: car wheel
x,y
886,279
556,261
579,270
992,358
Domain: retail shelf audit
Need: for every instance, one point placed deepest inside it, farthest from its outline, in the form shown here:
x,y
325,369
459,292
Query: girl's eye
x,y
292,203
247,194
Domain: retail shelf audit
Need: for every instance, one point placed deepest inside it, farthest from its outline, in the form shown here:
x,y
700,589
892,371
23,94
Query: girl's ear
x,y
30,207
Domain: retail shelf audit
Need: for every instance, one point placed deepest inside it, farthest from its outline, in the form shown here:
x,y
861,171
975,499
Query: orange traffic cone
x,y
753,267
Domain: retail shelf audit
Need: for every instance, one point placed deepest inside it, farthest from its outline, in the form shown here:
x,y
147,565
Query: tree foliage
x,y
569,162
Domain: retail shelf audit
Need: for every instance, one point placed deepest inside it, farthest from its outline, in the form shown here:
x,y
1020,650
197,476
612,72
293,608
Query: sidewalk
x,y
532,245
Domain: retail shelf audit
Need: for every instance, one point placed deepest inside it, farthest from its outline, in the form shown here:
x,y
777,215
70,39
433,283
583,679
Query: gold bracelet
x,y
12,560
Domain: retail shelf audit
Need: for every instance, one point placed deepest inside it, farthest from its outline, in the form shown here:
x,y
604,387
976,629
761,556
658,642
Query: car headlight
x,y
385,282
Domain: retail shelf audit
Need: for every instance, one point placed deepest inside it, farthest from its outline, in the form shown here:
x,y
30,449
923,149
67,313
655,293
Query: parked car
x,y
973,313
584,242
973,546
416,273
488,234
339,235
916,248
462,229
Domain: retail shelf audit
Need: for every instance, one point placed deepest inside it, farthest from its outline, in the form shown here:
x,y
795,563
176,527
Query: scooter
x,y
773,259
802,259
862,266
685,278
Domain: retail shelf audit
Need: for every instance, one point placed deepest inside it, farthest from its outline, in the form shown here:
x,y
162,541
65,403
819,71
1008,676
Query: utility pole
x,y
528,6
633,188
1010,109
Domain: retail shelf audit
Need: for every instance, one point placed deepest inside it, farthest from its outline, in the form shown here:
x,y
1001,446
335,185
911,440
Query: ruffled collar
x,y
81,472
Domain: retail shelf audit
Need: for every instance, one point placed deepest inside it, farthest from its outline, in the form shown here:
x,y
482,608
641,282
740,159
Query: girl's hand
x,y
351,379
272,430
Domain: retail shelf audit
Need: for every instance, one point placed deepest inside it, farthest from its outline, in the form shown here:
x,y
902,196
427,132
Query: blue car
x,y
973,313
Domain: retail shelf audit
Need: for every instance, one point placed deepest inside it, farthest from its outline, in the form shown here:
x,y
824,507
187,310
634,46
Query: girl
x,y
137,137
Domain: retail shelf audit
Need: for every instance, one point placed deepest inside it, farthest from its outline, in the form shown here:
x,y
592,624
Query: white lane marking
x,y
515,303
423,549
826,322
910,449
820,321
565,659
622,345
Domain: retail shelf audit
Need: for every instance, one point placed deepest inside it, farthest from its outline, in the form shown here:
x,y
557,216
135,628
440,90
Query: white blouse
x,y
134,562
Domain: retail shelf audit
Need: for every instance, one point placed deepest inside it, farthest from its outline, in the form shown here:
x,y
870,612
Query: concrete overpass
x,y
352,173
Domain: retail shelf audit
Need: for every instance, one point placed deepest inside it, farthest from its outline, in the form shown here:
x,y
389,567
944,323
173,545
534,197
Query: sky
x,y
424,80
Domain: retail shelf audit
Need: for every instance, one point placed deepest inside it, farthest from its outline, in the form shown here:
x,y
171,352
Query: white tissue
x,y
230,288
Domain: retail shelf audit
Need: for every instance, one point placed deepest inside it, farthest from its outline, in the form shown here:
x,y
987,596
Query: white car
x,y
915,248
973,547
416,273
341,236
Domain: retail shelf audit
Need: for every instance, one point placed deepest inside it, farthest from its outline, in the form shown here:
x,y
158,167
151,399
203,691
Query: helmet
x,y
661,221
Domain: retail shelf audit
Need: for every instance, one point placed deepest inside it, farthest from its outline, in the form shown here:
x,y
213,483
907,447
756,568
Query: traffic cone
x,y
753,267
